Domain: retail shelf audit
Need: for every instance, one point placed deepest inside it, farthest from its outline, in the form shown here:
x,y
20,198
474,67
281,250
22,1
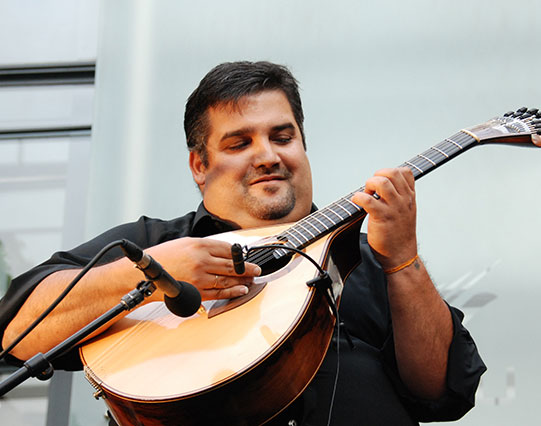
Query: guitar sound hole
x,y
267,261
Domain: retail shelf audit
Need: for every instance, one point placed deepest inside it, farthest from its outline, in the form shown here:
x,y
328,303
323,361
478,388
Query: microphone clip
x,y
238,259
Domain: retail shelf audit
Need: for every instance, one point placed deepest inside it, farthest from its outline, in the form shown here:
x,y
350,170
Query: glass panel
x,y
42,194
48,31
43,107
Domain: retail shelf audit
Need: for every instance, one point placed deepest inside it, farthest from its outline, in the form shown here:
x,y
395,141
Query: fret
x,y
421,162
330,217
301,236
305,228
336,213
330,210
427,159
322,213
453,142
440,151
293,236
313,216
322,221
432,159
316,224
413,165
353,204
343,208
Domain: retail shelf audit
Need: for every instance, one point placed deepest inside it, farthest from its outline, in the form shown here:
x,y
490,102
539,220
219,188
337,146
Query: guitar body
x,y
244,361
242,366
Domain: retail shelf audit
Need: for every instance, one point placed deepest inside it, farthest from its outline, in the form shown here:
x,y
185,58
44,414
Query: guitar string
x,y
141,326
430,154
444,148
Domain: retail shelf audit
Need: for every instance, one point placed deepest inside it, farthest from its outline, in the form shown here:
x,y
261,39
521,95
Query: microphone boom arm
x,y
40,366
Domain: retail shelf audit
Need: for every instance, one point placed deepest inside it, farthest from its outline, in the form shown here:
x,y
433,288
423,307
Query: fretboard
x,y
343,211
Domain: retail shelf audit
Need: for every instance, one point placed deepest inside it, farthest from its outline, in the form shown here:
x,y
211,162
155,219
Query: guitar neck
x,y
513,128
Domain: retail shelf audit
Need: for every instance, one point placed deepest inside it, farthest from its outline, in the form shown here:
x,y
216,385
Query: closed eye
x,y
239,144
282,139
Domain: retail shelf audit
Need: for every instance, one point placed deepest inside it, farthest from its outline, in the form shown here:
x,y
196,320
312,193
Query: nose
x,y
265,154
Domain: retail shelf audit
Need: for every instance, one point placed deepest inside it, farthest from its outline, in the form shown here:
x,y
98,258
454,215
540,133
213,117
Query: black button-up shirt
x,y
368,391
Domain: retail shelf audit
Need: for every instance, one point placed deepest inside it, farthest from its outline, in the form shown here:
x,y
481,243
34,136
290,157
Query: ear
x,y
199,171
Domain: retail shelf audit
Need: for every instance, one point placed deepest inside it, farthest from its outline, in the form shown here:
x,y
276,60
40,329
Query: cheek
x,y
224,173
300,166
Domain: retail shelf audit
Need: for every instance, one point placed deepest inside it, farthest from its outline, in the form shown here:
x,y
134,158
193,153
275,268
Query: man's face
x,y
258,173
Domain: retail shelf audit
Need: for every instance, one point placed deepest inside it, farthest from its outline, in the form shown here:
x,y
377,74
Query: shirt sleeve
x,y
372,323
22,286
464,370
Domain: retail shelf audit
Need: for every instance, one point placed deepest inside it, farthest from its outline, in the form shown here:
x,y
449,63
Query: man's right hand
x,y
202,262
205,263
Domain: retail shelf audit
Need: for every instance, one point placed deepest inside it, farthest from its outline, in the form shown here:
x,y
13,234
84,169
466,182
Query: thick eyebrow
x,y
246,130
285,126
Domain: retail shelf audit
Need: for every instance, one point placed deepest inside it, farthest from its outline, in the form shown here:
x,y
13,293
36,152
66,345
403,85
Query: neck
x,y
247,221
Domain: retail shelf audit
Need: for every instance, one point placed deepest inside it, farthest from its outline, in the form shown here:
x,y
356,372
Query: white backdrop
x,y
381,82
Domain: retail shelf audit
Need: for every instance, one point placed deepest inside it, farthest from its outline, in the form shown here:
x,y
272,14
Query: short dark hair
x,y
228,83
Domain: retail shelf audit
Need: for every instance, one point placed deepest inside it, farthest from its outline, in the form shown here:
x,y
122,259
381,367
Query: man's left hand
x,y
389,200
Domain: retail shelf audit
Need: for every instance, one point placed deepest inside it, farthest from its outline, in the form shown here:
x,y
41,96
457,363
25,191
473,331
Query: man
x,y
411,360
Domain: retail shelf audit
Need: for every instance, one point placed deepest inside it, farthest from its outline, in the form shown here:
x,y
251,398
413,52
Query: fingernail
x,y
258,270
244,290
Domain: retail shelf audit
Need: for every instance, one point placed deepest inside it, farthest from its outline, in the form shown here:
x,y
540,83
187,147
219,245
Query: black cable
x,y
61,297
335,385
330,299
284,247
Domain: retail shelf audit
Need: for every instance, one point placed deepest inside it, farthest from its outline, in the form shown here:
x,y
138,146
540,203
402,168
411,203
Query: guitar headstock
x,y
520,127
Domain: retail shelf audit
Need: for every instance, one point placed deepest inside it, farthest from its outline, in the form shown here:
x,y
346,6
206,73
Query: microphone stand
x,y
40,366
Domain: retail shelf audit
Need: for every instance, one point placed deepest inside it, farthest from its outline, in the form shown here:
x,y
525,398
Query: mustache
x,y
262,171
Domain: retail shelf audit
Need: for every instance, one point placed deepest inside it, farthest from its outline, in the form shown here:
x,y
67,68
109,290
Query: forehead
x,y
257,111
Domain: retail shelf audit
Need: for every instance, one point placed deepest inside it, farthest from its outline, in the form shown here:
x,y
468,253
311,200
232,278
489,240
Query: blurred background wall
x,y
381,82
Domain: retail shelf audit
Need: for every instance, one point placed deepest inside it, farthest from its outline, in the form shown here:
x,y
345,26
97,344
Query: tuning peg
x,y
522,110
525,115
533,111
509,113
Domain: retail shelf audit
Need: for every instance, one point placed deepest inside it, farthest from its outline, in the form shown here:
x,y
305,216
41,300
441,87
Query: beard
x,y
273,208
270,205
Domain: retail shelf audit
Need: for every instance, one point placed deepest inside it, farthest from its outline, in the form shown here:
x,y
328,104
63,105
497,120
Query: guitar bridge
x,y
224,305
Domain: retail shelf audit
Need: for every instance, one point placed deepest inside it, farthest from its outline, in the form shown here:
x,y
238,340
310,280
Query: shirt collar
x,y
205,223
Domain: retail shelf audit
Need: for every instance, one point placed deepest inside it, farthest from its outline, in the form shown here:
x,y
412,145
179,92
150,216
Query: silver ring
x,y
376,196
215,281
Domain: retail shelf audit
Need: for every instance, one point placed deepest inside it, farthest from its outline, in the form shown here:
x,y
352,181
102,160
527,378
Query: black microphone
x,y
181,298
238,258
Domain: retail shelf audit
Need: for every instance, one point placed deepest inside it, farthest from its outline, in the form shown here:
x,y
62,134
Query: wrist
x,y
401,266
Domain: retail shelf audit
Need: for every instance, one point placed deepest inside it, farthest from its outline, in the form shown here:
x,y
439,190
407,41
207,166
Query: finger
x,y
400,178
382,186
225,293
217,282
366,201
408,176
227,267
223,262
252,270
218,248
